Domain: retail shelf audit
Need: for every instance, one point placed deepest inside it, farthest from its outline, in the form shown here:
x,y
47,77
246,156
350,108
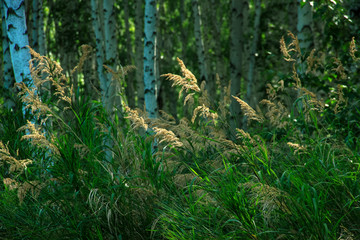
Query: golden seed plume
x,y
249,111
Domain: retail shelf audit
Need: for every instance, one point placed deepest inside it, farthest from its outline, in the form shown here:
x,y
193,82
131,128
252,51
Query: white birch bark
x,y
18,39
96,22
150,88
130,92
112,86
139,51
37,27
7,70
199,41
235,61
305,26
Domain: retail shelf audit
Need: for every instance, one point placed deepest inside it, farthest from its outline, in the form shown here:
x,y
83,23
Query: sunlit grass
x,y
293,175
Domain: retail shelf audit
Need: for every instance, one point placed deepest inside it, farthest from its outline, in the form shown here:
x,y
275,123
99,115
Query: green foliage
x,y
293,175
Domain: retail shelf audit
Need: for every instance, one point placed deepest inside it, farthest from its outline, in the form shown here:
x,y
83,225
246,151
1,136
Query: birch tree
x,y
251,84
199,41
236,42
14,11
106,51
111,91
139,51
129,56
97,22
7,71
150,87
37,33
304,25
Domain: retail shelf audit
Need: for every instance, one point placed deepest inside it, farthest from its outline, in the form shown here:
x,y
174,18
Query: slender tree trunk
x,y
97,24
199,41
34,20
150,87
216,34
7,71
236,42
130,91
183,34
305,26
159,43
252,86
208,39
139,51
18,39
90,79
251,82
304,31
38,34
41,31
112,86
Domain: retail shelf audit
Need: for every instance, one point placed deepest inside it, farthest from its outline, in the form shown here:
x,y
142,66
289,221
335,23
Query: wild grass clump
x,y
292,175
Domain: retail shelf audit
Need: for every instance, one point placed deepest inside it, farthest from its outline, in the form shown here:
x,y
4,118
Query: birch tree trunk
x,y
150,88
97,23
7,71
38,34
183,34
236,42
139,51
216,33
130,92
206,31
199,41
18,39
251,83
38,43
112,86
305,25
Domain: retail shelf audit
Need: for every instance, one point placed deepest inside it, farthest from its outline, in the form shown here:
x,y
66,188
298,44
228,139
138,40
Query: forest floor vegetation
x,y
293,174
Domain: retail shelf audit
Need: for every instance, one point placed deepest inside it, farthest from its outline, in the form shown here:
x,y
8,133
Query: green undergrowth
x,y
74,172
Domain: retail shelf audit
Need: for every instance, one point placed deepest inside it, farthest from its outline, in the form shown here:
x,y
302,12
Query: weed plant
x,y
294,174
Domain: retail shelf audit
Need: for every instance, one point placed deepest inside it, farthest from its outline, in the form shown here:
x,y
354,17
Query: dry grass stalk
x,y
204,98
249,111
33,102
241,134
37,138
204,112
15,165
339,69
187,82
292,47
135,118
225,101
340,100
353,49
44,70
276,113
10,183
269,198
86,51
167,136
297,147
296,78
312,62
33,186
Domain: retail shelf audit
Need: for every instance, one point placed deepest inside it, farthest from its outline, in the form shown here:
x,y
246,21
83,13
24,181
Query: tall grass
x,y
293,175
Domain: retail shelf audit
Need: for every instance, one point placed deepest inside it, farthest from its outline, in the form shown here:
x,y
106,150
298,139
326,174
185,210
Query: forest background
x,y
68,137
